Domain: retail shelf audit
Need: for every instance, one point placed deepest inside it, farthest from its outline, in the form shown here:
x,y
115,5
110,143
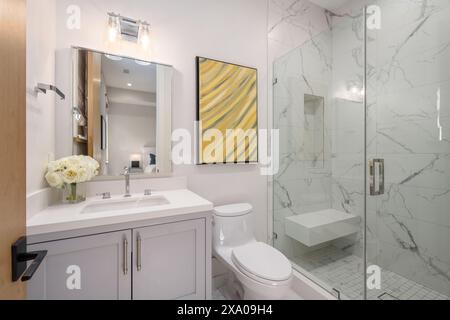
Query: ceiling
x,y
331,5
142,78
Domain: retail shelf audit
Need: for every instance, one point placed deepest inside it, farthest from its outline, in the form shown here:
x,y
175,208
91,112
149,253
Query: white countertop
x,y
69,217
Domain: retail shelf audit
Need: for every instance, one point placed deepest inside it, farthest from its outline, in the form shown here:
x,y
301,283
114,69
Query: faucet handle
x,y
105,195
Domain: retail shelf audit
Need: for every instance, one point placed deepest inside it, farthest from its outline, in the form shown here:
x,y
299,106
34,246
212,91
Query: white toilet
x,y
263,273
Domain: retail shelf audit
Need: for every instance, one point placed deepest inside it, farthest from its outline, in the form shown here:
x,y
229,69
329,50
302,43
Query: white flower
x,y
70,176
84,175
54,180
76,169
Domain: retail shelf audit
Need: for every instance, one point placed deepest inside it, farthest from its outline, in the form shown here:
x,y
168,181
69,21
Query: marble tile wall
x,y
292,23
348,122
311,69
300,52
408,96
409,92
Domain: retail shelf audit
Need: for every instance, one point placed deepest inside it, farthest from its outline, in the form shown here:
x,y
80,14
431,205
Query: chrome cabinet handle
x,y
377,189
125,256
139,251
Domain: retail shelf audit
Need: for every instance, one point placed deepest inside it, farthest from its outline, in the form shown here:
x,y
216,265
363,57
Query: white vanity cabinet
x,y
86,268
165,261
170,261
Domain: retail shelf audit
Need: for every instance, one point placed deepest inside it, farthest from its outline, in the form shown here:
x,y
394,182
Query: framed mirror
x,y
122,113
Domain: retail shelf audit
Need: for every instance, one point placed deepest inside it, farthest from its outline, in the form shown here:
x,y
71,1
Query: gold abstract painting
x,y
227,112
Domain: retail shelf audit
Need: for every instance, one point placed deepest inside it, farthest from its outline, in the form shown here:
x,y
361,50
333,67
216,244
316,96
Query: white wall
x,y
229,30
40,108
131,128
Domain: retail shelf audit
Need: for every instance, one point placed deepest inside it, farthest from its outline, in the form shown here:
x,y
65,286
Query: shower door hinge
x,y
376,173
274,81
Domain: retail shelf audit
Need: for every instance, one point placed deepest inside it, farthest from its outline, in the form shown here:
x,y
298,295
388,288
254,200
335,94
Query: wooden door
x,y
12,139
87,268
170,262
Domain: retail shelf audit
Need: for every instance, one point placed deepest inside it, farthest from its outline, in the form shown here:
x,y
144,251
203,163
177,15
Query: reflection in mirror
x,y
122,113
314,135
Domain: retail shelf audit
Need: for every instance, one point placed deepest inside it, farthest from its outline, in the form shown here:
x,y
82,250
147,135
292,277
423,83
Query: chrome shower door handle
x,y
381,177
377,180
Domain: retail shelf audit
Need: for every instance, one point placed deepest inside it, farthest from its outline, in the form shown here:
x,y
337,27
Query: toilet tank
x,y
233,225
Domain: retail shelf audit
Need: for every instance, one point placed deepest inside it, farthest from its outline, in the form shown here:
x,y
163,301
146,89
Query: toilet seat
x,y
262,263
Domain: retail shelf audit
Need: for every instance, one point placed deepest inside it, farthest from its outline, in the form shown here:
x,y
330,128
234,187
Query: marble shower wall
x,y
347,126
409,97
408,94
292,23
315,42
300,53
302,185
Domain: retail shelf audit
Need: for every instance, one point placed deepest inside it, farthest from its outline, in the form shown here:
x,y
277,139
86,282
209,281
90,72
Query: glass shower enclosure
x,y
361,203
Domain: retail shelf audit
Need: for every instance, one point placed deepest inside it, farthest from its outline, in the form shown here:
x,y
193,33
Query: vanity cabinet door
x,y
87,268
170,262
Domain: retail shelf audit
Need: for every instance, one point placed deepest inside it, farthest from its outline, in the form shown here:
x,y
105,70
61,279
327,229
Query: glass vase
x,y
74,193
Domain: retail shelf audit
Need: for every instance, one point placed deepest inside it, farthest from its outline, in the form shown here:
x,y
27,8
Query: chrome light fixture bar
x,y
128,29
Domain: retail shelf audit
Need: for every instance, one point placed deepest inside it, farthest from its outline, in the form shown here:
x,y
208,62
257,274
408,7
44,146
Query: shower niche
x,y
314,131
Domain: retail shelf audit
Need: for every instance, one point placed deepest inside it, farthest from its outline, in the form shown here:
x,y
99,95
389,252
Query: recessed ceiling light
x,y
129,84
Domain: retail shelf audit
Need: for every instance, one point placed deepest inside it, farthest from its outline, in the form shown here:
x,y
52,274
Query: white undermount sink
x,y
125,204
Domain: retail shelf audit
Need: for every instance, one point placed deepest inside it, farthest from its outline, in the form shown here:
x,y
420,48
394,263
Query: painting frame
x,y
199,131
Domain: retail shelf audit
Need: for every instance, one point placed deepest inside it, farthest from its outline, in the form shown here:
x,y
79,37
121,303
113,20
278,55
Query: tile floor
x,y
344,272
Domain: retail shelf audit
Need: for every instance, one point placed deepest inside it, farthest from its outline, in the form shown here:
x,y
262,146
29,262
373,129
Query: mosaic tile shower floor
x,y
344,272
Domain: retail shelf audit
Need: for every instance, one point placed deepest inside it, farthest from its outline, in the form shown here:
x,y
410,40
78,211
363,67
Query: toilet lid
x,y
233,210
263,261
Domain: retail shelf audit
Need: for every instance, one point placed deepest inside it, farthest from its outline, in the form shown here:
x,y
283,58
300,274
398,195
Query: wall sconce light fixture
x,y
128,29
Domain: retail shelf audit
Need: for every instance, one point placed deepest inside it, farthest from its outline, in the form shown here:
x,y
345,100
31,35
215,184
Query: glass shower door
x,y
319,191
408,148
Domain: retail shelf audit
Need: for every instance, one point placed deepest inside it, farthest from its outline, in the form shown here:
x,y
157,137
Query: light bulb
x,y
113,28
144,35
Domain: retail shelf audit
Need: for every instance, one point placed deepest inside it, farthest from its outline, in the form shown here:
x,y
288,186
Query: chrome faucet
x,y
126,174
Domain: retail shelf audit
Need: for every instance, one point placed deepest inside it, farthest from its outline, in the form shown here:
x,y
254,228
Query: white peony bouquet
x,y
66,173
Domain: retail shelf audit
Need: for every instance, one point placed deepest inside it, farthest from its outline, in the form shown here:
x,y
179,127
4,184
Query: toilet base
x,y
242,288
